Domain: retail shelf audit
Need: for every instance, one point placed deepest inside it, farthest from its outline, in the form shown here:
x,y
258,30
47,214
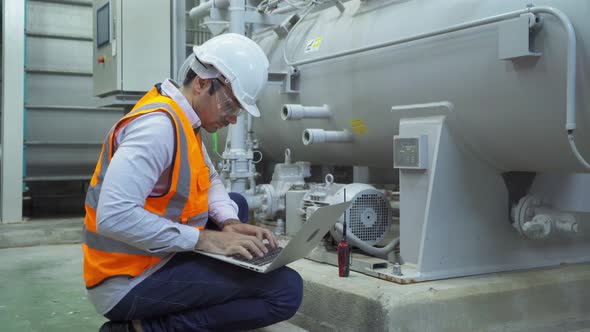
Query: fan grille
x,y
369,217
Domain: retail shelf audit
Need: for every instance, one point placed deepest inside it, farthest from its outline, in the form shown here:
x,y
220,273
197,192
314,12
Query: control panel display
x,y
410,152
103,30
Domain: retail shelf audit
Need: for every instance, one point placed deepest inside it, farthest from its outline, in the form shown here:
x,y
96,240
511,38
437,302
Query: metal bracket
x,y
516,37
289,80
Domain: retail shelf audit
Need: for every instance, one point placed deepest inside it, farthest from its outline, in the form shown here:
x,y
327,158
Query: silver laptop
x,y
298,247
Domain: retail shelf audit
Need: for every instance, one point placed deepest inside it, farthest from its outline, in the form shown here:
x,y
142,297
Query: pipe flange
x,y
524,212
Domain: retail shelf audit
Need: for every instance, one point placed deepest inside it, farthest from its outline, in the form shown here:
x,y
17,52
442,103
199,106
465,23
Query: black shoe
x,y
116,327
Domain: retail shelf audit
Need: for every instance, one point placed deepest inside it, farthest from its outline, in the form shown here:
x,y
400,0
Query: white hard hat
x,y
240,60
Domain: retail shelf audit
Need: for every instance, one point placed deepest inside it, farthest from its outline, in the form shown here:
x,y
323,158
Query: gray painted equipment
x,y
470,90
512,113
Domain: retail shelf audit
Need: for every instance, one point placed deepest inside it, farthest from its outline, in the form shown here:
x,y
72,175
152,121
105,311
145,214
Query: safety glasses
x,y
227,105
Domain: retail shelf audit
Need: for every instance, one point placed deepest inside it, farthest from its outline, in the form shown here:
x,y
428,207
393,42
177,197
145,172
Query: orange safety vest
x,y
185,201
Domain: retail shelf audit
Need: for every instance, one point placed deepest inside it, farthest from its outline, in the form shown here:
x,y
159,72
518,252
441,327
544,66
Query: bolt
x,y
397,270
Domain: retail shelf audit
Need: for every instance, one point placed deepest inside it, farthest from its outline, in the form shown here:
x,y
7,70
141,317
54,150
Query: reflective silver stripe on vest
x,y
94,191
198,220
103,243
178,201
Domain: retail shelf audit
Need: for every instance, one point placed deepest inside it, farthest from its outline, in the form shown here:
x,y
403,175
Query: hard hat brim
x,y
252,109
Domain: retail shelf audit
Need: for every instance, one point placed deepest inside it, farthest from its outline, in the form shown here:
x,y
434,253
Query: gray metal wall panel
x,y
74,125
47,162
59,19
52,156
62,135
59,54
46,89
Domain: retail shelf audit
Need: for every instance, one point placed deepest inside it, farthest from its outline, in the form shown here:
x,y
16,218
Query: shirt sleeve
x,y
144,151
221,207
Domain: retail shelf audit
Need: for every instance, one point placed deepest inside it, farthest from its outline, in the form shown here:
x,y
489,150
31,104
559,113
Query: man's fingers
x,y
272,240
242,251
259,244
252,246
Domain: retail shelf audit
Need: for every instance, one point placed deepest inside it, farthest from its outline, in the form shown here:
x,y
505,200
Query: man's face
x,y
221,108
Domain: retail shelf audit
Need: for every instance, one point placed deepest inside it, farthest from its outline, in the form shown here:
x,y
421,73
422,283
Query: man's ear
x,y
200,85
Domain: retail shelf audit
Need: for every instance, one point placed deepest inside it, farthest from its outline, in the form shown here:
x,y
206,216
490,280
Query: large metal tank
x,y
512,113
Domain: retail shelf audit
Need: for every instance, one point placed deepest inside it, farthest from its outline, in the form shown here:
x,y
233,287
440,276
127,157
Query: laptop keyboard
x,y
260,261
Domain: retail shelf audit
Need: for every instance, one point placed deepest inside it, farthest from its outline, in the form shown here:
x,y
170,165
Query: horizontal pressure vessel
x,y
512,113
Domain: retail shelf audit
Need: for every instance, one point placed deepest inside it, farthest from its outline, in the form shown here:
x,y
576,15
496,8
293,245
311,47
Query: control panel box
x,y
410,152
132,45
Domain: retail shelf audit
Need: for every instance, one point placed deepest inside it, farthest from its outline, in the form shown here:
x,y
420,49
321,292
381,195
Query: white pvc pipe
x,y
316,136
240,165
298,112
237,16
204,9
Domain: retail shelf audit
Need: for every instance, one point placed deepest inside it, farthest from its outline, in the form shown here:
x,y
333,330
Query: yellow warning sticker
x,y
358,126
313,45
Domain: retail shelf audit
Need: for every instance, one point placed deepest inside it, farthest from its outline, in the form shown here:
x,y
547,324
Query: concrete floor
x,y
41,289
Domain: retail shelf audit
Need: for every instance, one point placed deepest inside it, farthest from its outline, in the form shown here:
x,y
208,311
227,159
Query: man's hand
x,y
230,243
260,233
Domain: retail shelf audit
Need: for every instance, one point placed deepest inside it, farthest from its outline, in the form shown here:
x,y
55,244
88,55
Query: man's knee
x,y
242,204
292,294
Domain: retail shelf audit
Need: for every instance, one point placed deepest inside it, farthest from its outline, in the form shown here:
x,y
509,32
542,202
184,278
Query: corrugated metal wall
x,y
64,125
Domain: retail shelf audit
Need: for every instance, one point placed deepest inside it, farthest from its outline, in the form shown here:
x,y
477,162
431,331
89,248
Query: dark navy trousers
x,y
193,292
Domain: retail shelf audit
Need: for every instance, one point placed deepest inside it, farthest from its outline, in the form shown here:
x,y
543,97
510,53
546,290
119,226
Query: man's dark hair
x,y
190,76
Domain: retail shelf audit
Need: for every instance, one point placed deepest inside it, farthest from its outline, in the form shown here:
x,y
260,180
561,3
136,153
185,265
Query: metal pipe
x,y
249,126
566,221
238,154
237,16
203,9
316,136
574,149
570,123
178,34
254,201
298,112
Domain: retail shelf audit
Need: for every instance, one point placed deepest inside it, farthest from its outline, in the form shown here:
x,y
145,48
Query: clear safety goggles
x,y
225,103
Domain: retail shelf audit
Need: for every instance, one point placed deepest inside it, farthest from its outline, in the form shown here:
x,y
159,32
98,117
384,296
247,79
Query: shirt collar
x,y
171,89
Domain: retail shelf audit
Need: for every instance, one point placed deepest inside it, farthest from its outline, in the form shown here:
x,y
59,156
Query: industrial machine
x,y
479,111
474,104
